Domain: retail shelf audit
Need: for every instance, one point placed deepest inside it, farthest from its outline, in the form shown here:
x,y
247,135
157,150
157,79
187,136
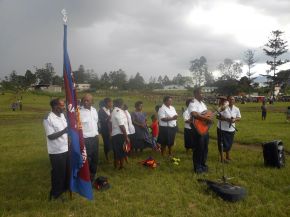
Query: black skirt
x,y
166,136
117,143
188,138
226,138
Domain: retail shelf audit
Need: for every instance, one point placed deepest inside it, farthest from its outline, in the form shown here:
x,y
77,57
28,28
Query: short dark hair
x,y
125,107
188,101
118,102
157,107
166,98
138,103
101,104
107,100
196,91
153,117
54,102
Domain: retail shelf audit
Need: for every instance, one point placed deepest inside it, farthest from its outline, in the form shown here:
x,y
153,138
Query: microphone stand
x,y
220,141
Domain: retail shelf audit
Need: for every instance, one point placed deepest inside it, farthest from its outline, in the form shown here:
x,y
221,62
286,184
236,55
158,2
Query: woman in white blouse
x,y
167,117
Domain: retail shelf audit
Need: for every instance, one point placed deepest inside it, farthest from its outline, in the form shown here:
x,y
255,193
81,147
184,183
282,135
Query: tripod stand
x,y
221,148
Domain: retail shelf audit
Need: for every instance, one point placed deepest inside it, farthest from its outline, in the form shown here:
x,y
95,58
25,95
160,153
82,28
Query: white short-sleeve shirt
x,y
165,112
53,124
89,119
118,118
196,106
228,113
186,116
131,127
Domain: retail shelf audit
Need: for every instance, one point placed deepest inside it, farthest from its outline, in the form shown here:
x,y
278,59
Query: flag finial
x,y
64,13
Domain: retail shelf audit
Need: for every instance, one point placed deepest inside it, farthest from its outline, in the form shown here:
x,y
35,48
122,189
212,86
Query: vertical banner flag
x,y
80,181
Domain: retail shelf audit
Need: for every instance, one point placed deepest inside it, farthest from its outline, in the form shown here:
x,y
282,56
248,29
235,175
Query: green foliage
x,y
199,68
274,48
168,190
136,83
227,87
45,75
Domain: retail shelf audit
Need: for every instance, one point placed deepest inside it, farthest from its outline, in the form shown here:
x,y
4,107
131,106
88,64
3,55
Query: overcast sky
x,y
153,37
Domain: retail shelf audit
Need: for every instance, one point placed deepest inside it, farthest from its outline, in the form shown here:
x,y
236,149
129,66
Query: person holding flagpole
x,y
55,126
80,181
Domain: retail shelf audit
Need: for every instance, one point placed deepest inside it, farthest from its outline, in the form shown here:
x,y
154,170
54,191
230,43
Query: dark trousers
x,y
107,142
60,171
200,151
92,147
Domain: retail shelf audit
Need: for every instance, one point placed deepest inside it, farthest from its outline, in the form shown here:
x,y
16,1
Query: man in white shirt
x,y
167,117
89,119
200,142
55,126
226,128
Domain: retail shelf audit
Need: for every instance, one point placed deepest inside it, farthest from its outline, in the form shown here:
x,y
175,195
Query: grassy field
x,y
168,190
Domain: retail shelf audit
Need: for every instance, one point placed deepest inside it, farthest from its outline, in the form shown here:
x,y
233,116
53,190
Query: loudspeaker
x,y
273,153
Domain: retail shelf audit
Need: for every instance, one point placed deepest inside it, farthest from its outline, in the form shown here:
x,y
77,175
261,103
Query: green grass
x,y
137,191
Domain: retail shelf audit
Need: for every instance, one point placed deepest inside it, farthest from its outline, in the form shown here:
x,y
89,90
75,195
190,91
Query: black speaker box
x,y
273,153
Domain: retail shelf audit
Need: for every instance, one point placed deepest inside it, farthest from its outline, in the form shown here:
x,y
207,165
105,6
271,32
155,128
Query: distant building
x,y
83,87
174,87
47,88
209,89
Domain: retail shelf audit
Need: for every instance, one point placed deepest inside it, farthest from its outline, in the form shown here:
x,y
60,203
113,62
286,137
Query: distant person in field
x,y
14,106
105,124
167,117
55,126
119,133
20,105
89,119
226,128
264,110
197,110
187,133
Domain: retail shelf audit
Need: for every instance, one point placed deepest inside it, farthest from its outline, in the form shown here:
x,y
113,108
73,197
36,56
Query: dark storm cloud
x,y
150,37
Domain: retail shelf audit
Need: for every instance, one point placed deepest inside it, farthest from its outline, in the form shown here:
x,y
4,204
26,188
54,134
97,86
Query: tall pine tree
x,y
274,48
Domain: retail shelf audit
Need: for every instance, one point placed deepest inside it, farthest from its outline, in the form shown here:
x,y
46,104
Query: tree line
x,y
229,80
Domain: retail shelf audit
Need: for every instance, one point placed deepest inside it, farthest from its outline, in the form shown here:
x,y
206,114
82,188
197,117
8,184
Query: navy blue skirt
x,y
166,136
188,138
226,138
117,143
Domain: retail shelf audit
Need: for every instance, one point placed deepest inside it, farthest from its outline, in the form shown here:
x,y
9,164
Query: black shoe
x,y
205,168
198,170
59,198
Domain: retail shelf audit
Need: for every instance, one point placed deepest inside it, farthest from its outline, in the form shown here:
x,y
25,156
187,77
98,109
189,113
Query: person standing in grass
x,y
187,133
264,110
200,142
131,127
119,133
226,128
140,124
167,117
104,117
55,126
89,119
154,127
